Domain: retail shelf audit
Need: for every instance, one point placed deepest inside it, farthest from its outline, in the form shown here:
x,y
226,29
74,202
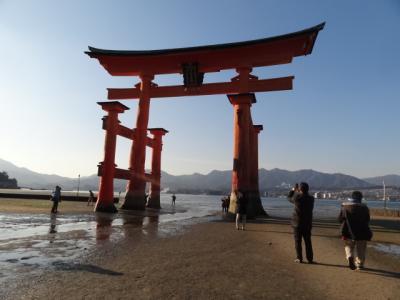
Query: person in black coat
x,y
354,218
302,220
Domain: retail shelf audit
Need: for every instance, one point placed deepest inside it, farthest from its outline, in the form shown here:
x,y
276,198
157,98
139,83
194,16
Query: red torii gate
x,y
193,63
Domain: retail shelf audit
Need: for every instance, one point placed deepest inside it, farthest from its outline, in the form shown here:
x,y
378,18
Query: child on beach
x,y
355,230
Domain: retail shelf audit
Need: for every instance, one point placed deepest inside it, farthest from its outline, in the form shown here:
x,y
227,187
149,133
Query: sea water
x,y
188,208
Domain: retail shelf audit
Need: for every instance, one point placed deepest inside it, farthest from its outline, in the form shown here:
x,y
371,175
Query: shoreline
x,y
43,206
385,212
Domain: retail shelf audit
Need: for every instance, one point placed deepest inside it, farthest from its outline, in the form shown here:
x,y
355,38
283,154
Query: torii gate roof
x,y
212,58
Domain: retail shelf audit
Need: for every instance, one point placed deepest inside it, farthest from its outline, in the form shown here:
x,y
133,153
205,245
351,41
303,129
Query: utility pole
x,y
79,183
384,195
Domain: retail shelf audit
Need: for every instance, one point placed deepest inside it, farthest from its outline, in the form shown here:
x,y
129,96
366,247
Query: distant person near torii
x,y
225,204
91,198
56,198
241,210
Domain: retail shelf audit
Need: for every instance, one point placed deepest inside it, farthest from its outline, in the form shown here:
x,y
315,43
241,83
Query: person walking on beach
x,y
173,199
302,220
354,218
56,198
91,198
241,211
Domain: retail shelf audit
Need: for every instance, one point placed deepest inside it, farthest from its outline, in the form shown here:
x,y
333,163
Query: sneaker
x,y
352,266
297,260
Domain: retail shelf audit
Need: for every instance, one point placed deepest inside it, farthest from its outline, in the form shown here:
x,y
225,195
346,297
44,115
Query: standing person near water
x,y
223,204
173,199
302,220
355,230
241,210
56,197
91,198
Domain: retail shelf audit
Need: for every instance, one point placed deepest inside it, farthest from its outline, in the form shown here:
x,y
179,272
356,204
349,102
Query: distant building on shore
x,y
323,195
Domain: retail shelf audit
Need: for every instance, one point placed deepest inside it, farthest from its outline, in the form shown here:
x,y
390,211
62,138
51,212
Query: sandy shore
x,y
11,205
214,261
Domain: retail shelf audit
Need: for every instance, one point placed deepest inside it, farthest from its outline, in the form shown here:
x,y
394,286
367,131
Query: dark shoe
x,y
311,262
299,261
352,266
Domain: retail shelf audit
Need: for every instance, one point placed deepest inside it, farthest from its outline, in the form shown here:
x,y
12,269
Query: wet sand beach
x,y
209,259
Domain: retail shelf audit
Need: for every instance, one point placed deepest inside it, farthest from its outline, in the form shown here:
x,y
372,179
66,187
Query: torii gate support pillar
x,y
105,199
154,201
255,206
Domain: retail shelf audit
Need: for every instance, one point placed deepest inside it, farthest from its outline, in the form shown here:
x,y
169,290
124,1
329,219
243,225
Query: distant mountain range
x,y
215,181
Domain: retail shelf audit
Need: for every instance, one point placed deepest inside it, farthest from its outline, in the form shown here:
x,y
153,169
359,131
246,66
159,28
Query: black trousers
x,y
299,235
55,207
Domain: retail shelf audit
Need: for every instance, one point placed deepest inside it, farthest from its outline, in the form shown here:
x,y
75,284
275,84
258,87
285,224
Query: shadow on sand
x,y
370,271
62,266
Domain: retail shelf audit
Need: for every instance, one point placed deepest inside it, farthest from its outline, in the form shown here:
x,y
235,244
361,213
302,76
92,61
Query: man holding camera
x,y
302,220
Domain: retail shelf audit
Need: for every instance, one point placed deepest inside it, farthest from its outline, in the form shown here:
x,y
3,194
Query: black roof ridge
x,y
94,50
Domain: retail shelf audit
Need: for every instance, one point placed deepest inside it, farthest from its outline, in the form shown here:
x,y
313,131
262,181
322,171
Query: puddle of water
x,y
30,243
387,248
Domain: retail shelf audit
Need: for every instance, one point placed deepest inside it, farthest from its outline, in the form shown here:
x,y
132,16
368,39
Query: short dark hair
x,y
304,187
357,195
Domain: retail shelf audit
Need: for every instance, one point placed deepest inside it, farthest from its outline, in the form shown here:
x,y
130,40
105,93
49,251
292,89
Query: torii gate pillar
x,y
105,199
154,201
136,188
241,150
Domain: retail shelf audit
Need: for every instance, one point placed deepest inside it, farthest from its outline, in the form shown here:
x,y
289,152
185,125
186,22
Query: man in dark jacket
x,y
355,230
302,220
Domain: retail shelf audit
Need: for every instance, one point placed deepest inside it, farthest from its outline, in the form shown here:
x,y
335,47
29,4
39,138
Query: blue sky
x,y
341,116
